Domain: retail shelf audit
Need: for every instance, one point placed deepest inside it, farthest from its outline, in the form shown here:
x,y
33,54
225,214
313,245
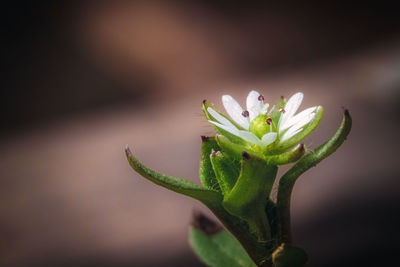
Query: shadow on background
x,y
83,78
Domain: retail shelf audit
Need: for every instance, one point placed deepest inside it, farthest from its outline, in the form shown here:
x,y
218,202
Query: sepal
x,y
226,170
287,157
206,172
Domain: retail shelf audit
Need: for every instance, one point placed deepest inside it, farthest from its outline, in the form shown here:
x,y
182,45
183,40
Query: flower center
x,y
261,125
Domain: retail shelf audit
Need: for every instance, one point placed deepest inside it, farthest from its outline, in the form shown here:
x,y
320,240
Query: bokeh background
x,y
84,78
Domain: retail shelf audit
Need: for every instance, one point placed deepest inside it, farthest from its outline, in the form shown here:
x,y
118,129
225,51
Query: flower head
x,y
260,130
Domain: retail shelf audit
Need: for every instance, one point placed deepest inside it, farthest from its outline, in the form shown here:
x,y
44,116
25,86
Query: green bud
x,y
260,126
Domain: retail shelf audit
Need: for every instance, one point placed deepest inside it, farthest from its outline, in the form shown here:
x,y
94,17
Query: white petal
x,y
268,138
235,111
219,117
265,108
254,105
290,133
295,119
291,107
233,130
297,127
250,137
302,122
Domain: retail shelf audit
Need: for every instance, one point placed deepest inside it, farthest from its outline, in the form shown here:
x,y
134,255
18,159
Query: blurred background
x,y
84,78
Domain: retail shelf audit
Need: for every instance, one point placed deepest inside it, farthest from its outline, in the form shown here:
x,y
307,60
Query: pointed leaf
x,y
175,184
288,180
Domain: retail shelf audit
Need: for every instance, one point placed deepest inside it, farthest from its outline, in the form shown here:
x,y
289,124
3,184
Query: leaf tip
x,y
127,150
204,138
205,224
245,155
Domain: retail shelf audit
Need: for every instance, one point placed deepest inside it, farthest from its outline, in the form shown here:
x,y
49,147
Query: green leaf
x,y
219,250
206,172
226,170
286,183
248,198
176,184
252,187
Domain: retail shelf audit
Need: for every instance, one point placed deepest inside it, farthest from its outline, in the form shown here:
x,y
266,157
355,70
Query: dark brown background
x,y
84,78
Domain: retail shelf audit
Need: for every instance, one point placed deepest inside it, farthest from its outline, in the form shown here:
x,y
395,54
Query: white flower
x,y
261,127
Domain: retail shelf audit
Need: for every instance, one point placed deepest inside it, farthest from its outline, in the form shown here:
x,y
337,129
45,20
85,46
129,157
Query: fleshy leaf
x,y
248,198
254,184
219,250
206,172
226,170
176,184
286,183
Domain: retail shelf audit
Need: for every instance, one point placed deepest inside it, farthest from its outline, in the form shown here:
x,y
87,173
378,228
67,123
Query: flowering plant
x,y
238,168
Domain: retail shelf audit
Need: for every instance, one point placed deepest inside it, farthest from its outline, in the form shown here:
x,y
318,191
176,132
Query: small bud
x,y
268,121
204,101
214,154
260,98
245,113
282,97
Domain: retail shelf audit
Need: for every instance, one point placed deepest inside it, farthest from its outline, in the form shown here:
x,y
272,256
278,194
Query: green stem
x,y
260,225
